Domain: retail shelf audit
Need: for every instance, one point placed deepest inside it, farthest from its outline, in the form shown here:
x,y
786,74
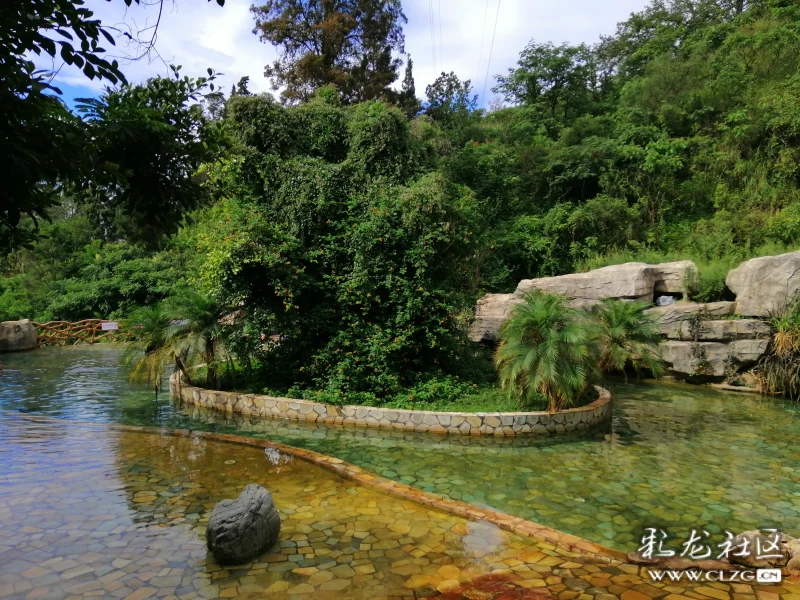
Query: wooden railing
x,y
88,331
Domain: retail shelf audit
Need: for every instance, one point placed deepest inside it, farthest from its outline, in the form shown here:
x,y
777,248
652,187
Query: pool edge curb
x,y
508,424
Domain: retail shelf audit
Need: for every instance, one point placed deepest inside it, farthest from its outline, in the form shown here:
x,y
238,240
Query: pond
x,y
130,523
676,457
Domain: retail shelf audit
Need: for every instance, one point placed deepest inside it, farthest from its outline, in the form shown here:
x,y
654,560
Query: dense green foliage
x,y
359,233
343,240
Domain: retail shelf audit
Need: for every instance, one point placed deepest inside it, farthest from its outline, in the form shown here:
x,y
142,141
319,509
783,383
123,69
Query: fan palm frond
x,y
629,338
547,348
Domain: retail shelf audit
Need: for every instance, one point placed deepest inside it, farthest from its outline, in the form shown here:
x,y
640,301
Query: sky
x,y
441,35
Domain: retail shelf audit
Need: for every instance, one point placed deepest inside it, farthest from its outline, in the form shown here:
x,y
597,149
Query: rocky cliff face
x,y
17,335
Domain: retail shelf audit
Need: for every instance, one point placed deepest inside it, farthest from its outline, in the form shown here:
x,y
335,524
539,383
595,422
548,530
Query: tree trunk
x,y
211,373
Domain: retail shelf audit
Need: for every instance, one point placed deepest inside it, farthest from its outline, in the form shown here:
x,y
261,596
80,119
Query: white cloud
x,y
465,22
199,34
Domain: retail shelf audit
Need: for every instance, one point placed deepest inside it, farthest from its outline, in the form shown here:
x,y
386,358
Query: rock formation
x,y
239,530
17,335
630,281
670,316
728,330
764,286
699,340
711,359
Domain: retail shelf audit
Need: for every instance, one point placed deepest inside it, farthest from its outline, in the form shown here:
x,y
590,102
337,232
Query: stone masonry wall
x,y
506,424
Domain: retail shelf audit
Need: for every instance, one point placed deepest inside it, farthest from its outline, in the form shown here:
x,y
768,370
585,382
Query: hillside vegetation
x,y
363,232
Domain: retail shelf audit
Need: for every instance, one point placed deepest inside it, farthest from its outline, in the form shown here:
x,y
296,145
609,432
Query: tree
x,y
629,338
547,348
40,143
147,143
348,43
407,99
241,88
360,260
152,351
450,99
186,331
560,81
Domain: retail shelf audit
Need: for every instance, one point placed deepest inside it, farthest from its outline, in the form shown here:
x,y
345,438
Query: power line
x,y
441,47
483,35
491,49
433,32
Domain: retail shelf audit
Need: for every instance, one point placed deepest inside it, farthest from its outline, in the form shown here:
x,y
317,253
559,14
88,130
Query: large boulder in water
x,y
765,286
17,335
242,529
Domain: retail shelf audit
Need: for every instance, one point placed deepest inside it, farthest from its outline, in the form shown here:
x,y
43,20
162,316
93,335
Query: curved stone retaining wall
x,y
506,424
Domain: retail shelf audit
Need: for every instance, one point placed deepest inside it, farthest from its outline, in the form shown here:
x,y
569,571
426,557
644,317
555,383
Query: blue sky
x,y
199,34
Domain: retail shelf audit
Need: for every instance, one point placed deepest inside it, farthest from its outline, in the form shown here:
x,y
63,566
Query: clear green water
x,y
675,456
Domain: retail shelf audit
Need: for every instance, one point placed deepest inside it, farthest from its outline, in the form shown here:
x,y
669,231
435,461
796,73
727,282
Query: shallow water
x,y
88,511
675,456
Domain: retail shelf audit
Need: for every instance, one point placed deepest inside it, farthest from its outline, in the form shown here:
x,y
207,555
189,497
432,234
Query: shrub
x,y
779,369
629,338
547,348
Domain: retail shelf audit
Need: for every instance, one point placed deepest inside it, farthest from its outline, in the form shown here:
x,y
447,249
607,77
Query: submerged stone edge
x,y
395,489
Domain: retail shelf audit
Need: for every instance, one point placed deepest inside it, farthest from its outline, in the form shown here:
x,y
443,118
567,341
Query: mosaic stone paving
x,y
678,457
90,512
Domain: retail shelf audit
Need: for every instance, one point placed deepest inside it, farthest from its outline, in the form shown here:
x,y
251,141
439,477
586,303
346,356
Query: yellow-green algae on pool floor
x,y
99,512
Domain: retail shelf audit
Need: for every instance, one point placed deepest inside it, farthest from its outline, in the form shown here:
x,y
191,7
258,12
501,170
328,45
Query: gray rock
x,y
630,281
764,286
669,315
17,335
673,277
710,359
755,540
239,530
491,312
718,331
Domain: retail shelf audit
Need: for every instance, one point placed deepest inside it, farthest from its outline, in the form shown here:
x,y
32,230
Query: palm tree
x,y
185,331
629,338
197,332
152,352
547,348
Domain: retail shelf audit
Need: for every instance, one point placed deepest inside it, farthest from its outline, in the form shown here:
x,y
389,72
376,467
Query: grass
x,y
485,399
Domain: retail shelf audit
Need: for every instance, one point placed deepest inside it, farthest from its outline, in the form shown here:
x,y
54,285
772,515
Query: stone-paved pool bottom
x,y
89,511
